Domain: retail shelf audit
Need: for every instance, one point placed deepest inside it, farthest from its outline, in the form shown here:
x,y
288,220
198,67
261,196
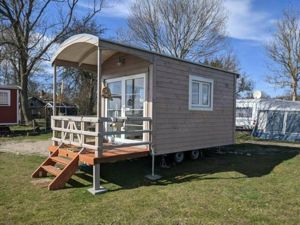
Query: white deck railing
x,y
89,132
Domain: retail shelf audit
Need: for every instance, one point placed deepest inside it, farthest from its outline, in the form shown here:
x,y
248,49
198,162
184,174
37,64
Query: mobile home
x,y
269,118
246,113
147,104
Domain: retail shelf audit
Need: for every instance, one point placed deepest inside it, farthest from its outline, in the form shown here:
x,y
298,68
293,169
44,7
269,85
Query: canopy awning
x,y
80,51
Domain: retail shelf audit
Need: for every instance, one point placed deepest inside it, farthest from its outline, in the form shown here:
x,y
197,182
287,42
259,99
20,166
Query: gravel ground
x,y
26,147
40,147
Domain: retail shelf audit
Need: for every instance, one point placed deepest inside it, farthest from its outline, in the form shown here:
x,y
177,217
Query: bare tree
x,y
284,51
29,28
230,63
189,29
81,85
244,86
227,61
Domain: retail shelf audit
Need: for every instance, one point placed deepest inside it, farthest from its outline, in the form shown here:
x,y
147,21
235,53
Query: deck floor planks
x,y
112,155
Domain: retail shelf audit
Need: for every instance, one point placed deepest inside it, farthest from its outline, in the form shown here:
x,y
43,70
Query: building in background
x,y
9,105
269,118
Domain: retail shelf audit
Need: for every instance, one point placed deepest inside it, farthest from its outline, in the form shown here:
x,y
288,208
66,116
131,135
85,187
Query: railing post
x,y
71,135
82,128
54,101
62,133
99,139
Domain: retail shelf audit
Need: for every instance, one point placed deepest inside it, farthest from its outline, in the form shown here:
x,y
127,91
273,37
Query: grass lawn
x,y
261,187
40,137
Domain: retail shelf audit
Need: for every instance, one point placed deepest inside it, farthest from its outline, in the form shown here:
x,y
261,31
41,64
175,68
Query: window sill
x,y
200,109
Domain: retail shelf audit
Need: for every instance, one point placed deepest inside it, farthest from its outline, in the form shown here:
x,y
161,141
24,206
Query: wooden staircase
x,y
61,167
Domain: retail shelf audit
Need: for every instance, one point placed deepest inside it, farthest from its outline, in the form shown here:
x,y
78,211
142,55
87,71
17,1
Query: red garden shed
x,y
9,105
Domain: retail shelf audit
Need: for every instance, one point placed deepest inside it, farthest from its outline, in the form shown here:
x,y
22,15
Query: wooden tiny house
x,y
147,103
9,105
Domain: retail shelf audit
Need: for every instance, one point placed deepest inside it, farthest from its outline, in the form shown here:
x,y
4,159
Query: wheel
x,y
194,154
178,157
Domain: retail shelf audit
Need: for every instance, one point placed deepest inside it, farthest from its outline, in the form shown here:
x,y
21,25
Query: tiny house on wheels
x,y
147,104
9,107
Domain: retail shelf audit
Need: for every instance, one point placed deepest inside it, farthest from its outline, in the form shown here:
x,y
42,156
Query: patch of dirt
x,y
26,147
42,182
281,144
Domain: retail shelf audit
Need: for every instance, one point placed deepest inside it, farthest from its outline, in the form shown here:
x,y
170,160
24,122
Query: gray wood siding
x,y
176,127
133,65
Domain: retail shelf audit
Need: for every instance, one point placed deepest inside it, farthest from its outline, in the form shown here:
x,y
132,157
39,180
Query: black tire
x,y
178,157
194,154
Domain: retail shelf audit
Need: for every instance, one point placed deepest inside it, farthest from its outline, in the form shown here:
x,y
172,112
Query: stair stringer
x,y
40,172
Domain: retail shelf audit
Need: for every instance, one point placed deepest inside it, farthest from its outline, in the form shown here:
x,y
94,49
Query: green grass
x,y
39,137
261,188
20,128
245,136
242,136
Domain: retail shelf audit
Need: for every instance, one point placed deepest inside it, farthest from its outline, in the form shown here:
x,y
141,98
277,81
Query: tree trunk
x,y
24,99
294,90
91,97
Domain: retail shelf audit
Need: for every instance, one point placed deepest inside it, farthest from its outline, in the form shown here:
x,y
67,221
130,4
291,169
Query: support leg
x,y
97,188
153,176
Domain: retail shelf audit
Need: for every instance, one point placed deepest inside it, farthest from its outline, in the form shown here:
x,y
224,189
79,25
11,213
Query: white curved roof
x,y
80,49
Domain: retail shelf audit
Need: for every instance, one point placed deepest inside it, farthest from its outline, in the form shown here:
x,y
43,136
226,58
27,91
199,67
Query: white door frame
x,y
123,97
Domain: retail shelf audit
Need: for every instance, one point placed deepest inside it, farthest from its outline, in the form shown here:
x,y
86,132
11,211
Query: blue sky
x,y
250,26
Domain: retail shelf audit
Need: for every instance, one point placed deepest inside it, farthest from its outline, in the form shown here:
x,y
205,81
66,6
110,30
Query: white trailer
x,y
269,118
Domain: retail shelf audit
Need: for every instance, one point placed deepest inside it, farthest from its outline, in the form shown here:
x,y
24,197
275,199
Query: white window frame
x,y
200,106
9,97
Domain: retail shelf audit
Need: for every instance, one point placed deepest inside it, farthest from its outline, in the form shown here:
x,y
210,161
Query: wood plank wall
x,y
176,127
133,65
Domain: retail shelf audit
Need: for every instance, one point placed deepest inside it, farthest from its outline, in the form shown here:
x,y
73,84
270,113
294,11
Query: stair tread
x,y
52,169
60,160
68,159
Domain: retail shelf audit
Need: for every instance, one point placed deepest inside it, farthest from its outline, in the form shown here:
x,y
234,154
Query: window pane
x,y
134,103
205,94
293,122
134,98
4,98
195,93
275,121
114,105
244,112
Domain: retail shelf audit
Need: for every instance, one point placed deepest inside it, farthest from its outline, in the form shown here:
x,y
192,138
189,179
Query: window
x,y
200,93
293,122
244,112
4,98
275,121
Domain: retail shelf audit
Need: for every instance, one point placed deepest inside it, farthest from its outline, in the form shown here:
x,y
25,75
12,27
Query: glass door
x,y
134,106
128,98
114,106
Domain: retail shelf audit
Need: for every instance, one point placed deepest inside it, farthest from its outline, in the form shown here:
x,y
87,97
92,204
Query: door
x,y
128,100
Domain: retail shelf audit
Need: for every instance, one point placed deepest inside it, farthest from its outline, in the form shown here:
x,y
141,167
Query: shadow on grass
x,y
250,160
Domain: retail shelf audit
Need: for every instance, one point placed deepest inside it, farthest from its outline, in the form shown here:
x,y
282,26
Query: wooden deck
x,y
112,155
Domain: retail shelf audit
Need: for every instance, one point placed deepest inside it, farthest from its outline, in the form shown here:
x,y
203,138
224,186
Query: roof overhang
x,y
9,87
81,51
